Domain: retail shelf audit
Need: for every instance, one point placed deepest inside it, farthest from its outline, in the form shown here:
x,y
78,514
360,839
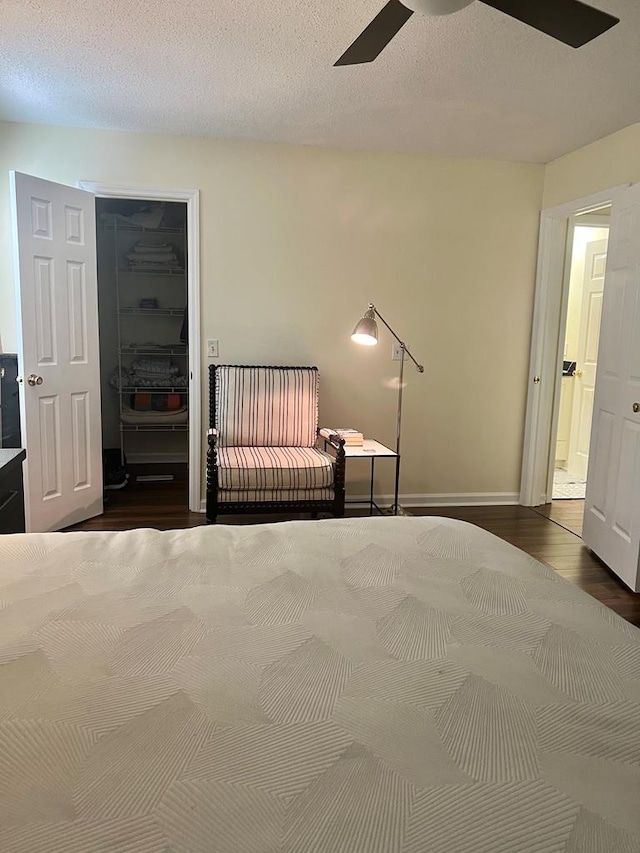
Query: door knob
x,y
577,372
32,379
636,407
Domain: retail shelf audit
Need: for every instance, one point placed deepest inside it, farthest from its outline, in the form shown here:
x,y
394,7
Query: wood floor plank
x,y
568,513
544,533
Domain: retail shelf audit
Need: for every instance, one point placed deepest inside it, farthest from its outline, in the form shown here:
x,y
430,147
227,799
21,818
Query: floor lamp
x,y
366,333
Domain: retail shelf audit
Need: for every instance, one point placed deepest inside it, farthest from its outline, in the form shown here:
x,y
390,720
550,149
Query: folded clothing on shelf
x,y
155,366
148,246
152,266
156,378
141,379
150,217
170,259
155,347
146,402
131,416
151,255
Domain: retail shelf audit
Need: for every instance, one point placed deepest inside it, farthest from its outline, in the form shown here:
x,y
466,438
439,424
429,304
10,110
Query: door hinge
x,y
537,380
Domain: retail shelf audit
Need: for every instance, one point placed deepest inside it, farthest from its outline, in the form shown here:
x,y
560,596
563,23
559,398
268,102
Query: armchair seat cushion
x,y
274,469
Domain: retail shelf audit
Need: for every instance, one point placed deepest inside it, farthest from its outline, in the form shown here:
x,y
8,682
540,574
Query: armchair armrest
x,y
333,439
339,466
212,436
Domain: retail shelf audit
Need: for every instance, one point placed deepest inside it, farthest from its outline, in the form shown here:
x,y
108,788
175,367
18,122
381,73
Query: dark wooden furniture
x,y
11,490
267,402
9,401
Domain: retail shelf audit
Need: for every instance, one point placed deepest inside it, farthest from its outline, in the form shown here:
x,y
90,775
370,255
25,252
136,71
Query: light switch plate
x,y
396,352
212,348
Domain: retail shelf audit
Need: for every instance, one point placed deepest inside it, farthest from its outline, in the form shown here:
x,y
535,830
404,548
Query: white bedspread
x,y
353,686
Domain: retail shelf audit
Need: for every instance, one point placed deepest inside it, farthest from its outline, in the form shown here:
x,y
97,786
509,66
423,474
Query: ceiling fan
x,y
570,21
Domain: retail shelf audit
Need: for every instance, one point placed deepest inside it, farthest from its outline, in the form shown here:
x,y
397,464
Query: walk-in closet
x,y
144,341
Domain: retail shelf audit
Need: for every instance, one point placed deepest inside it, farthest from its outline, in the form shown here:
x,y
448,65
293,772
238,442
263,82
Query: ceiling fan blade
x,y
569,21
377,35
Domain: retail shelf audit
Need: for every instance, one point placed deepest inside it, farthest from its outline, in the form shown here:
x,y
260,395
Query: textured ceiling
x,y
475,83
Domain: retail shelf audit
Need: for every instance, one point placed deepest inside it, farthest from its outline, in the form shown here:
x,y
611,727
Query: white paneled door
x,y
612,508
57,297
587,358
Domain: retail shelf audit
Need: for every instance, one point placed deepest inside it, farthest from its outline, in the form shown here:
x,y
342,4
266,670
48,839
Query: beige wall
x,y
608,163
297,240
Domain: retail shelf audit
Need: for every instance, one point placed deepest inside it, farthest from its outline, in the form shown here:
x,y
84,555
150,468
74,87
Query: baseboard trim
x,y
434,500
444,499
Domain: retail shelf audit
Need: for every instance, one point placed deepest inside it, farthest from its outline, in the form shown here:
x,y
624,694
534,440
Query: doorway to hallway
x,y
589,235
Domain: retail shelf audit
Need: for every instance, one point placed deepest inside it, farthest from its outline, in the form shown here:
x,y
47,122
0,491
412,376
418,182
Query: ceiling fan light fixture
x,y
572,22
436,7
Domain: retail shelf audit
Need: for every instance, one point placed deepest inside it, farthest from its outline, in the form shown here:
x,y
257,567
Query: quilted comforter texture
x,y
391,685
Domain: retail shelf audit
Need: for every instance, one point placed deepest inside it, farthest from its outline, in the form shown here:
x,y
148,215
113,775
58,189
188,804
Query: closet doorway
x,y
148,300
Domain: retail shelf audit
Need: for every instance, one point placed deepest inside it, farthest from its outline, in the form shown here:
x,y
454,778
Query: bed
x,y
338,686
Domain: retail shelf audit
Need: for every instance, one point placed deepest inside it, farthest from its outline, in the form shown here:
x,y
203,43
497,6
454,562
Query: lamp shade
x,y
366,330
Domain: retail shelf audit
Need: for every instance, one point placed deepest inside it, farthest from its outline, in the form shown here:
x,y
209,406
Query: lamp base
x,y
401,511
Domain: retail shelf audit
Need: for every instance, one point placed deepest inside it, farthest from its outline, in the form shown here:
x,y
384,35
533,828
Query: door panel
x,y
76,288
612,507
602,440
627,497
74,224
41,218
54,228
584,425
594,315
46,336
634,346
49,425
81,424
587,358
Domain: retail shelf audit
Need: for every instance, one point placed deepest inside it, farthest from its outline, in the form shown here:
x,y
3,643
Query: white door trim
x,y
547,341
594,220
192,200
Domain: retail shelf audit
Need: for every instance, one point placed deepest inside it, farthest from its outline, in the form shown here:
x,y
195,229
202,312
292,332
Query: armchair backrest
x,y
264,406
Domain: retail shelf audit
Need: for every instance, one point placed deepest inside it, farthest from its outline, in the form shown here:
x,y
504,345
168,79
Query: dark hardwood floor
x,y
538,532
569,514
159,505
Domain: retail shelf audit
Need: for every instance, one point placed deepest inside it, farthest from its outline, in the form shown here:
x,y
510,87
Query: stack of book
x,y
352,438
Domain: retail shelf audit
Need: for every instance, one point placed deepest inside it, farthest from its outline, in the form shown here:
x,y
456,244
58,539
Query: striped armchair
x,y
262,454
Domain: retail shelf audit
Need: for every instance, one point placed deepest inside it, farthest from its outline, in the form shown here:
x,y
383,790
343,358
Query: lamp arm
x,y
373,308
